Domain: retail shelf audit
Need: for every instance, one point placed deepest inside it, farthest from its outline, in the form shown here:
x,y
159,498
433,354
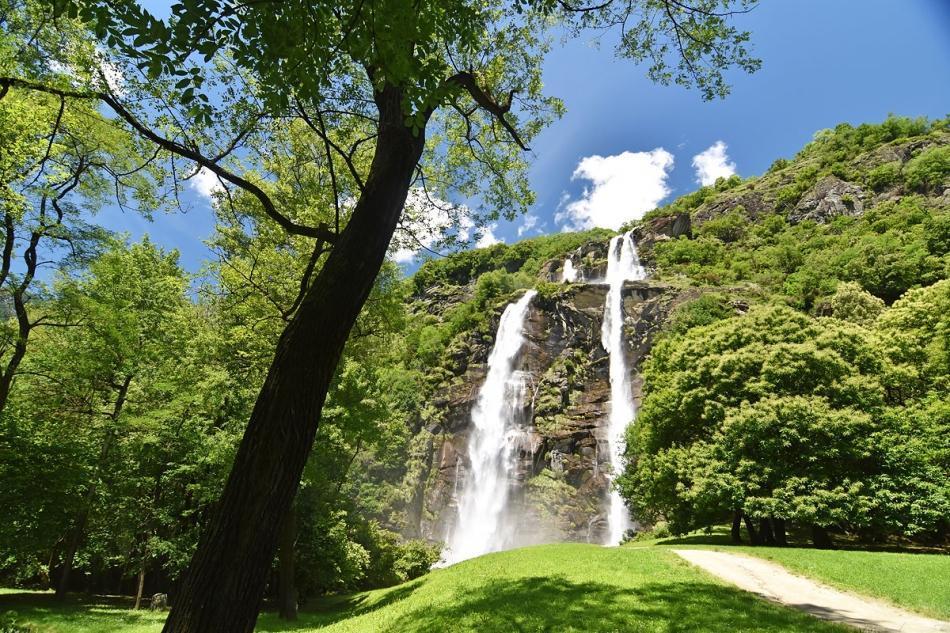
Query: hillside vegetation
x,y
807,384
797,371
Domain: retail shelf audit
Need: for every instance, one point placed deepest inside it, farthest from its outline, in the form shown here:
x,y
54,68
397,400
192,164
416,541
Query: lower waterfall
x,y
482,525
623,264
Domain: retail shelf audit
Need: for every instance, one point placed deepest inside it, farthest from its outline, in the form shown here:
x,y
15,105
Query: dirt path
x,y
774,582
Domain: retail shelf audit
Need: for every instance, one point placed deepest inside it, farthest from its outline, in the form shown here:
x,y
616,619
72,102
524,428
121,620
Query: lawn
x,y
915,581
563,588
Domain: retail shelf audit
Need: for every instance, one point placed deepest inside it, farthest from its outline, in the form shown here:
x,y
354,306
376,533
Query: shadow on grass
x,y
556,604
115,611
326,611
800,537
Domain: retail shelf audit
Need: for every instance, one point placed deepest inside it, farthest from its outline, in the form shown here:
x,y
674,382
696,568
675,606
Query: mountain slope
x,y
867,204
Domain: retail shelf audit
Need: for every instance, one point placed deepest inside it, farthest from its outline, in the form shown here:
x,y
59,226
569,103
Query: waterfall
x,y
483,524
568,273
623,264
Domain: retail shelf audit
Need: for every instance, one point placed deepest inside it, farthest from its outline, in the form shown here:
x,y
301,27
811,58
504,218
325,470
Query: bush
x,y
853,303
707,309
730,227
416,558
930,171
883,176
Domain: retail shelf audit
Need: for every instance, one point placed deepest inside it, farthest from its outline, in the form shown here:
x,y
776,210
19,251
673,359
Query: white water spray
x,y
482,524
623,264
568,273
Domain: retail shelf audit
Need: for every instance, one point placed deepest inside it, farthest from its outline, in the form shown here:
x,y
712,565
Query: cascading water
x,y
568,273
623,264
482,525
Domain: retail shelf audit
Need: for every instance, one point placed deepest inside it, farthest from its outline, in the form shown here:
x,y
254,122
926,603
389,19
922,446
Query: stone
x,y
829,198
159,602
566,411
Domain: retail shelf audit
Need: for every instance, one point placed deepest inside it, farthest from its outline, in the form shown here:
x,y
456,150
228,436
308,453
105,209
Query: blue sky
x,y
824,62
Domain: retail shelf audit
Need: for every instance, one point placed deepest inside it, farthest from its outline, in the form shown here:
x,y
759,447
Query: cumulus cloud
x,y
426,223
205,183
487,237
622,188
713,163
530,221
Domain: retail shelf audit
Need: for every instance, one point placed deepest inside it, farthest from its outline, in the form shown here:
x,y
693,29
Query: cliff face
x,y
743,241
559,486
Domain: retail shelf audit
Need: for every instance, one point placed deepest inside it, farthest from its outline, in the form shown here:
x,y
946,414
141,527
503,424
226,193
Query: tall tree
x,y
441,95
60,158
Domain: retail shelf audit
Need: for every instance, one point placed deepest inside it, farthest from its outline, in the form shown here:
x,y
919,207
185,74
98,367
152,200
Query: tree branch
x,y
467,81
185,152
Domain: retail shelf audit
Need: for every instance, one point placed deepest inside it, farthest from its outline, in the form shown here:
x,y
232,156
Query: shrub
x,y
853,303
929,171
707,309
883,176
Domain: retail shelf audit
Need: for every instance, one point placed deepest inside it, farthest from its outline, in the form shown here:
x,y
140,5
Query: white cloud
x,y
426,222
713,163
487,237
206,183
623,187
530,221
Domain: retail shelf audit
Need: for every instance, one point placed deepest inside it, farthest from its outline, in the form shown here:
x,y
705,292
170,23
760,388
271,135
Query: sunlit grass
x,y
563,588
916,581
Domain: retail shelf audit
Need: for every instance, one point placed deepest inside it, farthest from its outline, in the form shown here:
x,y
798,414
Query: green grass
x,y
557,588
914,581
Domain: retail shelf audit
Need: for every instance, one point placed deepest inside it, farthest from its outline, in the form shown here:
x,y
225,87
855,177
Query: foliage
x,y
851,302
887,251
707,308
526,256
929,171
776,414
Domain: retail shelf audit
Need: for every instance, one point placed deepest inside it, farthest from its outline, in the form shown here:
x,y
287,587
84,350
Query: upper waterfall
x,y
483,525
569,273
623,264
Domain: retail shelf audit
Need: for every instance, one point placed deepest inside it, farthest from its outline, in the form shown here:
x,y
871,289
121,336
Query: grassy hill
x,y
548,588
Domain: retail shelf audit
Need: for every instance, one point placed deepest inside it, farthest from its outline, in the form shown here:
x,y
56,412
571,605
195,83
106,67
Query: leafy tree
x,y
851,302
440,95
778,416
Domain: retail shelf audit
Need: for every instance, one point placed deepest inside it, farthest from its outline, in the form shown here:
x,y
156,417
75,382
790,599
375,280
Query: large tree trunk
x,y
73,540
766,537
224,584
781,538
286,588
140,587
820,537
736,532
750,526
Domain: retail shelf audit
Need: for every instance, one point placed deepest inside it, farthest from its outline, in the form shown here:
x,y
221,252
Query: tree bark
x,y
69,554
750,527
141,587
737,527
287,589
820,537
778,526
224,584
766,537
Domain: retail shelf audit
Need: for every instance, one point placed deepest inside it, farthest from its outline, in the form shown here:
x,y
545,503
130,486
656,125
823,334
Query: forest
x,y
287,425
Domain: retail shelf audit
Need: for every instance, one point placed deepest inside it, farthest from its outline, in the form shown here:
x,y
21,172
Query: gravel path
x,y
774,582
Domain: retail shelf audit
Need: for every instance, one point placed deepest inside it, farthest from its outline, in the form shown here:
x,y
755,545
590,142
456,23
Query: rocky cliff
x,y
736,241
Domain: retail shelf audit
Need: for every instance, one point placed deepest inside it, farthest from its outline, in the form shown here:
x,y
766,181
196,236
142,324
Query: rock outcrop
x,y
829,198
560,481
